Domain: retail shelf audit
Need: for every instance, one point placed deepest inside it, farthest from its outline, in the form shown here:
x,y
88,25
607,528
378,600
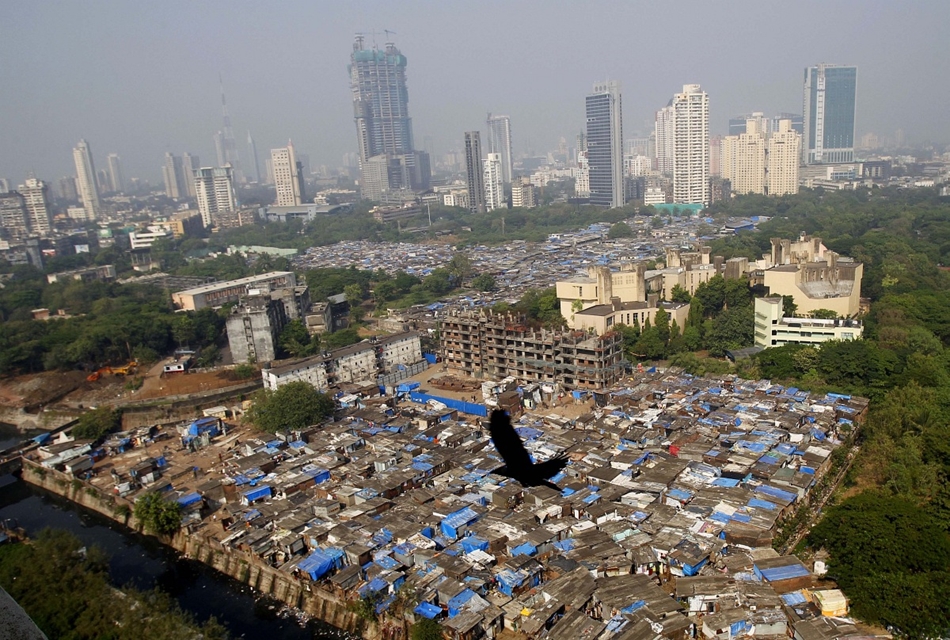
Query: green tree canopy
x,y
98,422
620,230
295,405
156,514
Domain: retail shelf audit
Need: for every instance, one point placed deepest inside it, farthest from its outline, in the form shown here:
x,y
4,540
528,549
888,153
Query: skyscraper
x,y
663,133
829,106
288,176
4,185
605,145
115,173
743,158
494,185
690,146
68,189
214,187
381,113
255,165
228,145
474,172
13,214
86,180
36,198
499,141
190,164
174,175
784,154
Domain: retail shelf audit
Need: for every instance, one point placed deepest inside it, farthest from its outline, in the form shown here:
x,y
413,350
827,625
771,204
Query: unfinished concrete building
x,y
254,326
492,345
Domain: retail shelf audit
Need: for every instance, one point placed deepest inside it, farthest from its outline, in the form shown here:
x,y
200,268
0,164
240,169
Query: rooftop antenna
x,y
387,32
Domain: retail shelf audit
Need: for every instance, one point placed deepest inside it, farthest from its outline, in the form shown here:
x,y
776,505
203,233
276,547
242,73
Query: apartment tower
x,y
494,185
499,141
605,145
474,172
86,180
691,146
784,152
288,176
214,187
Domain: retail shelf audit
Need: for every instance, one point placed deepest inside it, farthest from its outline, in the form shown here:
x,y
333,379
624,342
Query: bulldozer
x,y
130,367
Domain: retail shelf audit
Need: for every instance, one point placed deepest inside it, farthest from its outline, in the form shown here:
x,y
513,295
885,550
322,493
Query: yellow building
x,y
604,317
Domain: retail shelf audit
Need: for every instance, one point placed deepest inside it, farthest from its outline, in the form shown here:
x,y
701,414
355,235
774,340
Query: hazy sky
x,y
141,78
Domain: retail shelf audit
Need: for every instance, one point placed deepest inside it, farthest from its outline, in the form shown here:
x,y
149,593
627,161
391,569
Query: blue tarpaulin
x,y
189,499
794,570
456,603
526,549
459,405
427,610
472,543
633,607
257,493
42,438
316,565
776,493
455,521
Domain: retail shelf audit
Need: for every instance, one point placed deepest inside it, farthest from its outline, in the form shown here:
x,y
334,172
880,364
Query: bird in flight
x,y
518,463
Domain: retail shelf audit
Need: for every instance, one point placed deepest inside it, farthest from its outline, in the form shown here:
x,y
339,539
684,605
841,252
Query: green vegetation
x,y
66,592
426,629
295,405
95,424
156,514
540,306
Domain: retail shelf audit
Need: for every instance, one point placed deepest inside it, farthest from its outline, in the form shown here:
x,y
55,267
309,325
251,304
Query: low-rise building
x,y
218,294
773,329
605,317
101,273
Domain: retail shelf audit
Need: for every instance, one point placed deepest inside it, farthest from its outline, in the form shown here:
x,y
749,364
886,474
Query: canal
x,y
142,562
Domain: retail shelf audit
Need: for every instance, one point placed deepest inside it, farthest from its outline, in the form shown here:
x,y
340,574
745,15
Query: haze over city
x,y
142,79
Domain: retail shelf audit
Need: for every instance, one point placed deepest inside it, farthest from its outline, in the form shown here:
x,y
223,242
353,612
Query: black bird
x,y
518,463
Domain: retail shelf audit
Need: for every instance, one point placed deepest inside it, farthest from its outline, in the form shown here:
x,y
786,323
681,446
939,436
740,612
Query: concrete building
x,y
773,329
217,294
602,318
664,134
288,176
116,184
474,172
254,327
523,193
499,141
495,346
101,273
214,188
744,159
605,145
36,198
815,277
691,146
582,176
494,184
784,152
145,238
190,164
68,189
173,172
13,215
829,104
86,180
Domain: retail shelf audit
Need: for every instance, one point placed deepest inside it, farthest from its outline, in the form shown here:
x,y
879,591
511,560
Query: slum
x,y
675,490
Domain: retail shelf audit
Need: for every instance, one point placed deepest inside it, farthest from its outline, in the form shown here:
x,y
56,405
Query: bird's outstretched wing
x,y
508,443
550,468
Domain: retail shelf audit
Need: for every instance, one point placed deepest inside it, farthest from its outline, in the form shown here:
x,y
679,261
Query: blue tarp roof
x,y
257,493
428,610
316,564
776,493
189,499
526,549
794,570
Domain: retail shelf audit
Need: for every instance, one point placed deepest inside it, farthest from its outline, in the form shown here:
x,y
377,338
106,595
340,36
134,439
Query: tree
x,y
484,282
95,424
661,321
460,268
296,341
426,629
293,406
156,514
788,306
354,294
439,282
824,314
656,222
620,230
679,294
732,329
384,291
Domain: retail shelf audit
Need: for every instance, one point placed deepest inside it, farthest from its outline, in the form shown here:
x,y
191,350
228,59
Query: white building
x,y
582,176
36,197
523,193
743,159
190,164
772,329
494,184
146,238
288,176
115,173
499,141
173,172
214,189
663,131
86,180
638,165
783,160
691,146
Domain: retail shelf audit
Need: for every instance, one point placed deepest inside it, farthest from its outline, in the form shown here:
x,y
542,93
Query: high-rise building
x,y
4,185
288,176
745,159
829,106
494,185
36,198
255,165
383,125
691,146
86,180
796,119
663,133
499,141
715,156
214,187
173,172
474,172
582,177
523,193
115,173
190,164
13,215
605,145
67,188
228,153
784,155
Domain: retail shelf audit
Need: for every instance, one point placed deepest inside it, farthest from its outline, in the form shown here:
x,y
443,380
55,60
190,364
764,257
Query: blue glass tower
x,y
829,106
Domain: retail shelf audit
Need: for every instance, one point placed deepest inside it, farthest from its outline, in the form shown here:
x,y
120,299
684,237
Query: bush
x,y
95,424
157,515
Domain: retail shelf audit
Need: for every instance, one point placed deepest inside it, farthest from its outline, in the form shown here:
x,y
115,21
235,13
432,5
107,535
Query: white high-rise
x,y
214,187
36,198
494,185
115,173
86,180
784,155
663,132
288,176
691,146
499,141
190,164
174,174
743,159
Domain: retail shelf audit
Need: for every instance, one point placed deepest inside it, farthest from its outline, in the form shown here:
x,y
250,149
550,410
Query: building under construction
x,y
495,345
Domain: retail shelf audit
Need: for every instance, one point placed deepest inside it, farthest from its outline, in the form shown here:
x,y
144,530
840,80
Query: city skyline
x,y
140,118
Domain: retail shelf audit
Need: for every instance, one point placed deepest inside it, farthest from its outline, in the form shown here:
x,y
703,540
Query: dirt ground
x,y
157,386
39,388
